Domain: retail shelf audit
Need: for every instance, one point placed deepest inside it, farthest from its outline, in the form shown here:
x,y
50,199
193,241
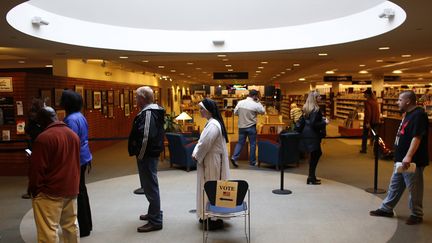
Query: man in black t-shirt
x,y
411,146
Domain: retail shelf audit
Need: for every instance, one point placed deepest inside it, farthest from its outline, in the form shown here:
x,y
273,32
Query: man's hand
x,y
406,162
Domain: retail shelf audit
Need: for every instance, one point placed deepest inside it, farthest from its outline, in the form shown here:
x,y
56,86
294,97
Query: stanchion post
x,y
375,189
281,191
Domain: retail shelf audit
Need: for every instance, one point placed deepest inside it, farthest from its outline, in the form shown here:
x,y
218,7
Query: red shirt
x,y
55,162
371,113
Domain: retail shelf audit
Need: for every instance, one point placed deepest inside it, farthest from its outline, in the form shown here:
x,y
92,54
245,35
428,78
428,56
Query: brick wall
x,y
27,85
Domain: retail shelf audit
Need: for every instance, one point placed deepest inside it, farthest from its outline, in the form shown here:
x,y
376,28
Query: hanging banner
x,y
226,194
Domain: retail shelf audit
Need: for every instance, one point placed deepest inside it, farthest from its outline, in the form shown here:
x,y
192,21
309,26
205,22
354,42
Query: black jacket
x,y
147,134
312,130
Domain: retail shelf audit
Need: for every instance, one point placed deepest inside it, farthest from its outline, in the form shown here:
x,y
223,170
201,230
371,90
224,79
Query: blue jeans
x,y
148,175
398,183
251,133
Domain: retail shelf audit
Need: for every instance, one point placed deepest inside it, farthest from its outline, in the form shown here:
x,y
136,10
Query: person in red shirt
x,y
371,117
54,179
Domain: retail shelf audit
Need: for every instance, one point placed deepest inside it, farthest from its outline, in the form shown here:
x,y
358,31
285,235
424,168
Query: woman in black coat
x,y
312,126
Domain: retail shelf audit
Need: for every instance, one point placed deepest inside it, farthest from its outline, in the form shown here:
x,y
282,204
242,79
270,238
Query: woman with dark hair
x,y
211,155
72,103
312,126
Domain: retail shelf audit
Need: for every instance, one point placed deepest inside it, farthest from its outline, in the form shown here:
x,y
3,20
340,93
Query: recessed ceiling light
x,y
123,57
282,72
322,54
301,79
189,63
277,75
288,69
363,72
406,55
198,68
296,64
379,60
221,55
264,62
260,67
330,72
230,70
225,60
397,71
189,76
257,71
204,72
362,65
420,78
145,60
21,62
173,70
384,48
228,65
49,65
182,74
161,66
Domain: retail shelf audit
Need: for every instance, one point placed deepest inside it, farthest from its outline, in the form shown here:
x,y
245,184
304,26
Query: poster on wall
x,y
57,96
126,96
126,110
80,90
46,94
97,99
117,97
6,135
20,127
6,84
110,96
89,99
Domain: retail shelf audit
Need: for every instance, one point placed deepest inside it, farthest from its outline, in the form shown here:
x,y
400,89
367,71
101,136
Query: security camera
x,y
387,13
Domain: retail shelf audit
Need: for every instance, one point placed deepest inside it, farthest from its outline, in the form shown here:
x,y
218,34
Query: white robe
x,y
212,159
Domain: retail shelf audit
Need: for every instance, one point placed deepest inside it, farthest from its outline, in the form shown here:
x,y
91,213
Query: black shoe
x,y
84,234
234,163
381,213
313,181
144,217
149,227
139,191
363,151
413,220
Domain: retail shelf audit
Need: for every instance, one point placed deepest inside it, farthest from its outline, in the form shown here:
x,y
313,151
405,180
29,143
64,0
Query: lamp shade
x,y
183,116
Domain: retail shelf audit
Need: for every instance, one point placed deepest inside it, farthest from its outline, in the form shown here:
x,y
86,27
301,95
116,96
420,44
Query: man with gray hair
x,y
54,179
146,144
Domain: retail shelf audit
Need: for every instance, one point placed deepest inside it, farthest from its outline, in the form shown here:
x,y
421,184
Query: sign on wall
x,y
6,84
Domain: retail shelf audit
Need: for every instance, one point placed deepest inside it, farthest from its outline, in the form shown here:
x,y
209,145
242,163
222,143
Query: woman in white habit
x,y
211,155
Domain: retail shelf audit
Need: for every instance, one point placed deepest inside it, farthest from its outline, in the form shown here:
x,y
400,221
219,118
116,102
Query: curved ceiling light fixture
x,y
287,24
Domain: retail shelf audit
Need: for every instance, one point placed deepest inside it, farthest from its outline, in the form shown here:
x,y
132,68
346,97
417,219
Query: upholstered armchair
x,y
180,150
276,149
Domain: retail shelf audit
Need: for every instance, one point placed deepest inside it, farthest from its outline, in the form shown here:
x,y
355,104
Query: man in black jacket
x,y
146,143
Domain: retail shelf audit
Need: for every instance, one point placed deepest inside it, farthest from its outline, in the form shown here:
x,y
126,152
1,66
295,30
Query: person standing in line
x,y
371,117
54,179
411,146
247,111
312,128
146,143
211,155
72,103
32,129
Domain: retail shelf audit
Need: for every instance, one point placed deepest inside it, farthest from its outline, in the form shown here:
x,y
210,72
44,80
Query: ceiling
x,y
413,37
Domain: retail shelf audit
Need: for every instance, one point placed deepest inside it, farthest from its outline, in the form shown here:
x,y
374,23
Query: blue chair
x,y
180,149
283,152
241,208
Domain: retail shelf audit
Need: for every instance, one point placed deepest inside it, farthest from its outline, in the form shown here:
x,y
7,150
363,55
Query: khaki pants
x,y
50,212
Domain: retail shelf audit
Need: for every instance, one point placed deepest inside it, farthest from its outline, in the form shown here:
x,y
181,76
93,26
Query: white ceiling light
x,y
296,65
363,72
379,60
48,65
260,67
161,66
221,55
225,60
384,48
406,55
301,79
227,65
264,62
288,69
173,70
198,68
230,70
330,72
322,54
257,71
145,60
189,63
21,62
397,71
362,65
123,57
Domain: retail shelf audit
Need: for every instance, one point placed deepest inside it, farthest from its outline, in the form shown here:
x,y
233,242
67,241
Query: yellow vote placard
x,y
226,194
